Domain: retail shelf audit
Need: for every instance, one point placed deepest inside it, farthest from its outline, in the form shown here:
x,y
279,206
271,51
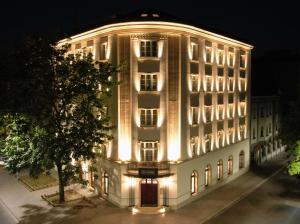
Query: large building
x,y
181,110
265,126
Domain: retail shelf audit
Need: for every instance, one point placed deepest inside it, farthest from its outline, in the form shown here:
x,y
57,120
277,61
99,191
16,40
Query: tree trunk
x,y
61,184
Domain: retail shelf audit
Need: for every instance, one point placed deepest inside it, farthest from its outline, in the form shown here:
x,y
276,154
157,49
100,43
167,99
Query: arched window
x,y
242,160
105,183
194,182
230,165
220,169
207,175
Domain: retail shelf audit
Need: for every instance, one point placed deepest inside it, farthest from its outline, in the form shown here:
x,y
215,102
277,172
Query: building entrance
x,y
149,190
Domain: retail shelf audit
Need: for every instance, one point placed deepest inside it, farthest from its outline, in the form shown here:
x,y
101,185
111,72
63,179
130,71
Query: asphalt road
x,y
5,218
275,202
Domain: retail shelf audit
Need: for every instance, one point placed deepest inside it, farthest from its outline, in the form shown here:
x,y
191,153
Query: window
x,y
208,70
148,82
253,133
230,84
208,52
220,55
148,117
220,169
195,115
194,146
195,51
194,182
242,59
241,160
262,132
208,142
254,113
231,57
262,114
270,128
195,82
220,138
149,151
148,48
230,165
207,175
242,73
208,99
230,72
105,183
103,50
220,71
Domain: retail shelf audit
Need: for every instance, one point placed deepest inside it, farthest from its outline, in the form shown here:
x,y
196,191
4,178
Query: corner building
x,y
181,110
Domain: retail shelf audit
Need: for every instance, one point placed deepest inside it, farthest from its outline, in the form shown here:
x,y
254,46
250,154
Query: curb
x,y
241,197
12,215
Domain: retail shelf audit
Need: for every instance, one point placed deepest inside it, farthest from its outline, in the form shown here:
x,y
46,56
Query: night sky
x,y
268,25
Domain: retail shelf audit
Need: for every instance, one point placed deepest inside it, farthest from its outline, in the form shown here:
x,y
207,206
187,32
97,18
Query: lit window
x,y
195,82
148,82
103,50
208,52
195,51
220,170
207,175
148,48
220,55
149,151
148,117
194,182
231,57
230,165
242,59
194,145
105,183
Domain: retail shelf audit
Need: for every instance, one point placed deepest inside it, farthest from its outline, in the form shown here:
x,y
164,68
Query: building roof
x,y
154,15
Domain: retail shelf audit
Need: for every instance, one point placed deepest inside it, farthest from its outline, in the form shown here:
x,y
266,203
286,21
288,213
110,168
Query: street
x,y
5,218
276,201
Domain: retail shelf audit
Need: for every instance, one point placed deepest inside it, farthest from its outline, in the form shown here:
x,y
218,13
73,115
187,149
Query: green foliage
x,y
23,144
294,166
66,115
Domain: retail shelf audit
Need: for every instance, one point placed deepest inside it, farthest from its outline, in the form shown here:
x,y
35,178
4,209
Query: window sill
x,y
143,58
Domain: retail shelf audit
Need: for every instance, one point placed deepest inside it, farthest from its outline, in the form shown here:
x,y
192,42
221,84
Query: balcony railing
x,y
158,165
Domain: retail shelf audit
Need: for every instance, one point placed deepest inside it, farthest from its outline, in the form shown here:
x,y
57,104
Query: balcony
x,y
162,169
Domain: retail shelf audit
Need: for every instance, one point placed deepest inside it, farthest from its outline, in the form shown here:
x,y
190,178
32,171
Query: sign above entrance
x,y
148,172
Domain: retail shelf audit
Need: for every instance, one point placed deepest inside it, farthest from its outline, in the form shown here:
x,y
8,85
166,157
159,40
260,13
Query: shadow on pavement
x,y
34,214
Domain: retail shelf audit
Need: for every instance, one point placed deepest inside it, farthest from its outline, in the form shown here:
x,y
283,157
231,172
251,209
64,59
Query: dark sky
x,y
265,24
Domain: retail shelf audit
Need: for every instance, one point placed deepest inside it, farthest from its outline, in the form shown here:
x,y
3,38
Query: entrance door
x,y
149,193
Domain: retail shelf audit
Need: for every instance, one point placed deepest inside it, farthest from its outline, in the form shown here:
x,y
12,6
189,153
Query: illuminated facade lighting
x,y
165,129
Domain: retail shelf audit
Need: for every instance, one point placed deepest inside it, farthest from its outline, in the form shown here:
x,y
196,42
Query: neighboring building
x,y
181,110
265,126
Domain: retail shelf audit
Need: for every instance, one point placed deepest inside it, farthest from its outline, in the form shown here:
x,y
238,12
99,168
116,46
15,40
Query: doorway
x,y
149,190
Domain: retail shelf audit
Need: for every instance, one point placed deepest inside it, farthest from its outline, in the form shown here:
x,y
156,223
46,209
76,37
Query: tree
x,y
290,135
70,120
294,166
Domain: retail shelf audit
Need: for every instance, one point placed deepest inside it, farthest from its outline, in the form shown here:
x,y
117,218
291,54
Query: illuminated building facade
x,y
265,126
181,110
